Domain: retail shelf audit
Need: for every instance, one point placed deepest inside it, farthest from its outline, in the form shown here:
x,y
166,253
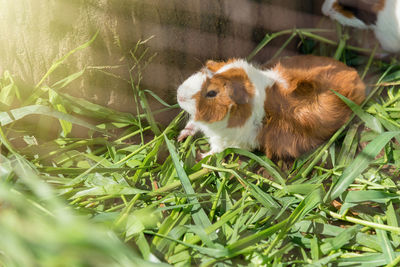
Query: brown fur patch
x,y
211,109
239,115
365,11
380,5
341,10
306,113
234,93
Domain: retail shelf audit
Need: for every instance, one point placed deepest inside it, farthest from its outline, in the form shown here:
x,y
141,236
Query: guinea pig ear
x,y
240,112
214,66
238,92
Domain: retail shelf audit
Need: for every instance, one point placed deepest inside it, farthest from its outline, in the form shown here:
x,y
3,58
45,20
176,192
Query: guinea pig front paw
x,y
203,155
188,131
214,150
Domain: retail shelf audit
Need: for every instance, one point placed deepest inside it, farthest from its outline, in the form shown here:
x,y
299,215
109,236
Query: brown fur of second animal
x,y
305,112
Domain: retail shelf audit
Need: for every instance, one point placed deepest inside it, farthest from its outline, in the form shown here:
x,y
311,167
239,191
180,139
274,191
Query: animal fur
x,y
381,16
284,111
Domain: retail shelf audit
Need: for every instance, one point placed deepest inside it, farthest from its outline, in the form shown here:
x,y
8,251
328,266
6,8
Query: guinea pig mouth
x,y
187,105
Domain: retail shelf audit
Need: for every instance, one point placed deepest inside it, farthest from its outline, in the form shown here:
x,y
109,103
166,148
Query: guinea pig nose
x,y
181,99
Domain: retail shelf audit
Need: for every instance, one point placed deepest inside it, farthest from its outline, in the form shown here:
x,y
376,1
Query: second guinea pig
x,y
284,111
382,16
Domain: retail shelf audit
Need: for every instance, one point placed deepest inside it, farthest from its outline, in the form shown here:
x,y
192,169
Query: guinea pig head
x,y
219,90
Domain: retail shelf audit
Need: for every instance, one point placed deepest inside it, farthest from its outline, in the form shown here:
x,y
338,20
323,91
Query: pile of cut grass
x,y
64,201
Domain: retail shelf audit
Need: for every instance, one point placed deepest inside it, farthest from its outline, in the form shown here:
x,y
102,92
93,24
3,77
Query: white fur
x,y
245,136
386,29
188,89
276,76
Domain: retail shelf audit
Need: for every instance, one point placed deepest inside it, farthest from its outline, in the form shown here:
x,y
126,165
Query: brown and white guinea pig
x,y
284,111
382,16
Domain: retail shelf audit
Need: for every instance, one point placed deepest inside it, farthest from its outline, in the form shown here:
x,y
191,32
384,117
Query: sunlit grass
x,y
64,200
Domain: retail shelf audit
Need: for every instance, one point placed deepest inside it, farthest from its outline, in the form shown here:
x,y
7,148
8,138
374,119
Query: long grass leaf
x,y
110,190
309,203
386,245
60,61
349,146
265,162
67,80
339,241
86,108
360,163
393,220
370,121
369,195
19,113
366,260
199,216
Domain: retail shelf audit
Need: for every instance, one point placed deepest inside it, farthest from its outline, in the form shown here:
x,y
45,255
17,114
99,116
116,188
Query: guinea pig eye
x,y
211,94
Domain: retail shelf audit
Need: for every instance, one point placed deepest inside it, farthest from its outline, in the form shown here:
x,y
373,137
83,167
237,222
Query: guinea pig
x,y
284,111
382,16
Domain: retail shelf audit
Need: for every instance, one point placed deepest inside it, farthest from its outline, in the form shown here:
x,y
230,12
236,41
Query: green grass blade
x,y
360,163
155,96
149,115
253,239
109,190
342,44
349,146
387,248
264,198
305,206
265,162
199,216
395,262
326,260
19,113
86,108
393,220
333,244
57,63
67,80
8,92
370,121
315,249
214,252
369,195
373,259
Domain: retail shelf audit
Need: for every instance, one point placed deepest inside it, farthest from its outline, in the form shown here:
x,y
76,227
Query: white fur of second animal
x,y
386,27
